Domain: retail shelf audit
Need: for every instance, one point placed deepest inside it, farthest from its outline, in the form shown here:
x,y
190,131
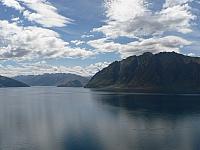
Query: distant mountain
x,y
74,83
163,72
51,79
8,82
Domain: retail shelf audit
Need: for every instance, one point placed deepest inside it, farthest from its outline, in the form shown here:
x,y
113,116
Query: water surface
x,y
50,118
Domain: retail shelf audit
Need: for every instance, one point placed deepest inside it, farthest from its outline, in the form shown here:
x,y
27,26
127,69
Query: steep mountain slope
x,y
8,82
51,79
148,72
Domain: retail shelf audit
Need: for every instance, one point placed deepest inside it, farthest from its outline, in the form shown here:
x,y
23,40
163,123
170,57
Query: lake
x,y
50,118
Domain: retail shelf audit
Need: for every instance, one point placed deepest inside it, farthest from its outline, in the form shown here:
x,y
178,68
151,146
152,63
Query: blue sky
x,y
83,36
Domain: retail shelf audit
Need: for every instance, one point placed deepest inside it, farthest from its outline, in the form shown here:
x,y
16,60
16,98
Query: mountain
x,y
51,79
163,72
8,82
74,83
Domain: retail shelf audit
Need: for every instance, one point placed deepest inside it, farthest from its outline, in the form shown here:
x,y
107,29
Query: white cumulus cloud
x,y
13,4
132,18
153,30
17,42
154,45
39,11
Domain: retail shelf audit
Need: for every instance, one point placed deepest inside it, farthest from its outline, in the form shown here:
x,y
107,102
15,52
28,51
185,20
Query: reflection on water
x,y
163,104
50,118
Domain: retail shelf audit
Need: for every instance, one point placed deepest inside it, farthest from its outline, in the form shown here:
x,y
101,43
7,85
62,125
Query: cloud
x,y
15,19
150,30
77,42
13,4
39,11
104,45
42,67
86,36
170,3
44,14
191,54
132,18
154,45
22,43
94,68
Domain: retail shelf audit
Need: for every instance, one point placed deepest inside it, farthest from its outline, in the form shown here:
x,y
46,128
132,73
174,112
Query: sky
x,y
84,36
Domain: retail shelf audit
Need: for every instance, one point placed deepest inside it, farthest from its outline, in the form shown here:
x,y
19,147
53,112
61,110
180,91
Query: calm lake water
x,y
50,118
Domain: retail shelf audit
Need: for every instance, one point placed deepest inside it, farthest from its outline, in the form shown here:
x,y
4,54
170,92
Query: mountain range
x,y
74,83
8,82
57,79
162,72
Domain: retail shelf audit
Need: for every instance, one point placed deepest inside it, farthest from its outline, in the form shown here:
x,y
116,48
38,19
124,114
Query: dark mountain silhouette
x,y
74,83
163,72
8,82
51,79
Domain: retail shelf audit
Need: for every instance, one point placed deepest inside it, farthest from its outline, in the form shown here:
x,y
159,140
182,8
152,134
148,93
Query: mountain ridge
x,y
162,72
74,83
51,79
9,82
